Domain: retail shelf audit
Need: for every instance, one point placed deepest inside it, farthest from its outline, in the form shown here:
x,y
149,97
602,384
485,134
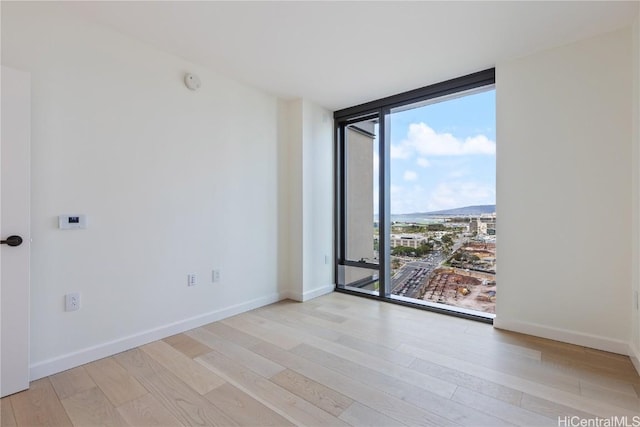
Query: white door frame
x,y
15,219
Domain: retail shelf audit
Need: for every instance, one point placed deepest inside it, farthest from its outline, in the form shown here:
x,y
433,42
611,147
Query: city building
x,y
476,226
410,241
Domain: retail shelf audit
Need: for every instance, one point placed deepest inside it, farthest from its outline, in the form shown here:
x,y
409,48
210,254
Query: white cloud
x,y
458,187
458,173
423,163
424,141
395,189
407,199
410,176
459,194
400,152
446,195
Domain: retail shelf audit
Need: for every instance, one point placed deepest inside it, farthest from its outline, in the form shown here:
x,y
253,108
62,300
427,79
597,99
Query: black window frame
x,y
381,109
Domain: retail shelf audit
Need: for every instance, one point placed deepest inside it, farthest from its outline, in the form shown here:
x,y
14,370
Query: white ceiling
x,y
340,54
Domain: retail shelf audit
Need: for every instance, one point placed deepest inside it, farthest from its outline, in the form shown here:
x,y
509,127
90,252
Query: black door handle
x,y
12,241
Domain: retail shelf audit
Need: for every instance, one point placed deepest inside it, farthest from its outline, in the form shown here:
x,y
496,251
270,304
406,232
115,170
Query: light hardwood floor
x,y
337,360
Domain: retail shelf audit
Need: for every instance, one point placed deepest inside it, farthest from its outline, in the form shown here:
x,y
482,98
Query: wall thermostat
x,y
192,81
72,222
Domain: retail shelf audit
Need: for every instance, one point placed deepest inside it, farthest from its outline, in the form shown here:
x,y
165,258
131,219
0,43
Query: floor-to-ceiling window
x,y
415,197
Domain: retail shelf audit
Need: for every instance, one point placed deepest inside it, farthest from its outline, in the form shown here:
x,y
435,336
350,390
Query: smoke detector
x,y
192,81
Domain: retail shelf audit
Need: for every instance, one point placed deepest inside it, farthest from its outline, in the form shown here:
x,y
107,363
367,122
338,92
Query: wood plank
x,y
243,408
609,382
395,318
359,415
586,373
187,345
617,362
301,309
543,345
613,397
523,367
258,331
39,406
241,355
421,398
474,345
620,380
434,328
147,411
488,388
335,318
92,408
360,308
353,340
7,419
114,381
290,318
581,403
184,403
192,373
287,404
368,396
314,309
367,362
321,396
386,354
138,363
232,334
337,359
283,335
365,332
583,363
551,409
70,382
500,409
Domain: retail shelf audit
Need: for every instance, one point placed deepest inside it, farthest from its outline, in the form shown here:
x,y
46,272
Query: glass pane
x,y
443,160
358,279
361,162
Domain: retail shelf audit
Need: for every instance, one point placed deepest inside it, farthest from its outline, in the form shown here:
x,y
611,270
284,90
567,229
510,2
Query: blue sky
x,y
443,155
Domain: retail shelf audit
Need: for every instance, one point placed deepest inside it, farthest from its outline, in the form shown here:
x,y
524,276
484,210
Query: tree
x,y
424,248
403,251
436,227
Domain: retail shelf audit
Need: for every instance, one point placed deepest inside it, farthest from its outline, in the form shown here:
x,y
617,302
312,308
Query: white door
x,y
15,195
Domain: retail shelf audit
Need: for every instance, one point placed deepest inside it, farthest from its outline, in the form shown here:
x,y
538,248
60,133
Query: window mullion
x,y
384,207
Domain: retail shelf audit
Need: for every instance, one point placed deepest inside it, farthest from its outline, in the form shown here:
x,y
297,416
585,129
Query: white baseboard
x,y
564,335
314,293
634,355
90,354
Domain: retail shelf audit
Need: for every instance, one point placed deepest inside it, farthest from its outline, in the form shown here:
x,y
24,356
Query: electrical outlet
x,y
191,279
72,301
215,276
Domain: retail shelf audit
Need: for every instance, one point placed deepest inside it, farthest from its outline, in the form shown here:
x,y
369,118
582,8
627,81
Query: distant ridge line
x,y
466,210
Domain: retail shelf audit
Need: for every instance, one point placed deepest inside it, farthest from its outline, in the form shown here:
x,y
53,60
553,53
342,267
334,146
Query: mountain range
x,y
467,210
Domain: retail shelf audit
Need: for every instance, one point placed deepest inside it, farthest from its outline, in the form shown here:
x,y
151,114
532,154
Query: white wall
x,y
563,192
292,186
310,198
173,182
318,178
635,186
